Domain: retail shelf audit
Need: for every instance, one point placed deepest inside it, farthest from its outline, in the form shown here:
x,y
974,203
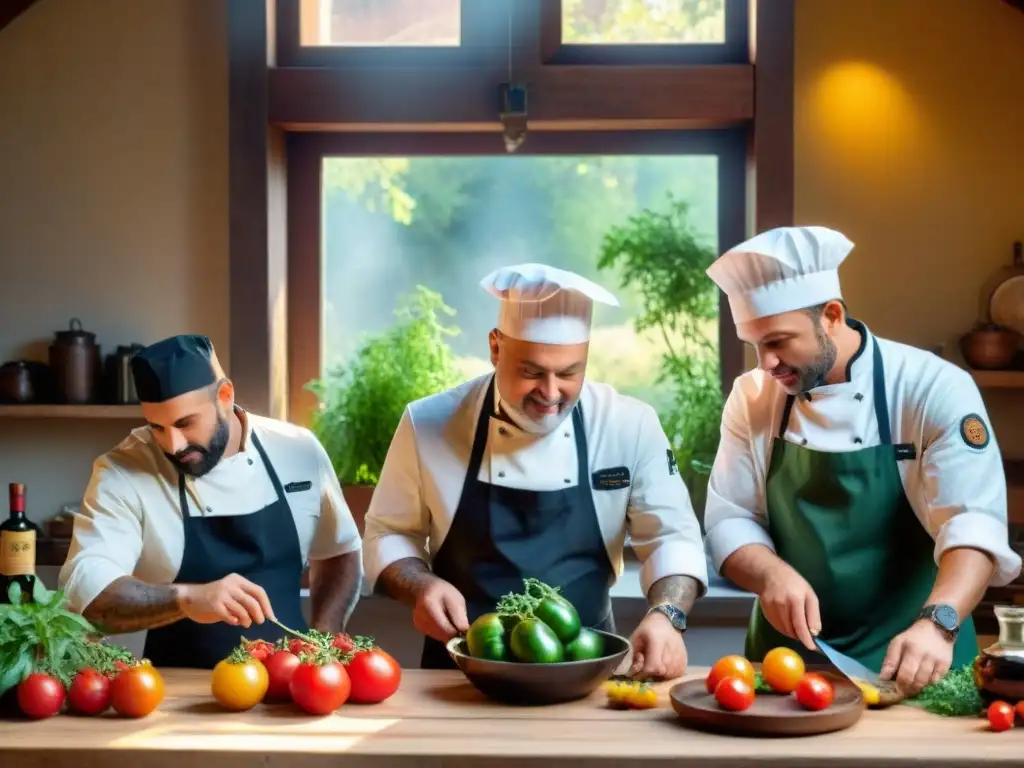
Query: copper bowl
x,y
519,683
990,347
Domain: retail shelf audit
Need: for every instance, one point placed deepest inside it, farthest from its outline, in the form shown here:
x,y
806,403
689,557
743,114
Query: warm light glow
x,y
863,112
333,733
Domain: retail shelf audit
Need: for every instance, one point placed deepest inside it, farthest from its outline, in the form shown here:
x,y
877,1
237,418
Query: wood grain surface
x,y
437,719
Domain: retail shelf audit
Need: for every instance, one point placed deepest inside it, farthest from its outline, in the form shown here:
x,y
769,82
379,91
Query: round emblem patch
x,y
973,431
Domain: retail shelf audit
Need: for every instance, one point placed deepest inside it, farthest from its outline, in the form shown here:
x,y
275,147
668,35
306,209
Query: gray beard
x,y
545,426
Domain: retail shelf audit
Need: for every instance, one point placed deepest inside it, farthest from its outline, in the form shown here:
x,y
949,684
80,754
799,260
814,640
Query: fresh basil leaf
x,y
40,594
18,619
14,593
73,624
11,675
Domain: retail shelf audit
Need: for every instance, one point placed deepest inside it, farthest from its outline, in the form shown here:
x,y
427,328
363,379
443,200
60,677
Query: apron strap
x,y
881,400
784,424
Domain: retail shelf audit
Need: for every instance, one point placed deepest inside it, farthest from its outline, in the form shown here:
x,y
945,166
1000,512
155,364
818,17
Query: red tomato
x,y
734,693
281,665
89,693
375,676
137,691
259,649
1000,716
297,646
814,692
729,666
40,695
1020,709
343,642
320,688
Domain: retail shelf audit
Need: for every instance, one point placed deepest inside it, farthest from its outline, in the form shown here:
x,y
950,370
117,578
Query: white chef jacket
x,y
130,522
957,491
422,478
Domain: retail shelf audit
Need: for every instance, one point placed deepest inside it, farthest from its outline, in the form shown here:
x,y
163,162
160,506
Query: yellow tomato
x,y
239,685
871,695
630,694
782,669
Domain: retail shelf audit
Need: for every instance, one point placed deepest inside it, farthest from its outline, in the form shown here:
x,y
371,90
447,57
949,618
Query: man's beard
x,y
209,456
813,375
545,425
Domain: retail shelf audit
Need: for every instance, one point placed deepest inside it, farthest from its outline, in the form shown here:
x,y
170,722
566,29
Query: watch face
x,y
946,617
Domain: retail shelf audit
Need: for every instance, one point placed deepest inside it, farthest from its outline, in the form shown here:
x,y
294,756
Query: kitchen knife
x,y
888,692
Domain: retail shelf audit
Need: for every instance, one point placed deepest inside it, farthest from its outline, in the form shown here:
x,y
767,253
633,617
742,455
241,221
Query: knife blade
x,y
856,672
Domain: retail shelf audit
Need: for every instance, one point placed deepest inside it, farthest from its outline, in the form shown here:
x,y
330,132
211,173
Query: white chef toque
x,y
545,305
781,270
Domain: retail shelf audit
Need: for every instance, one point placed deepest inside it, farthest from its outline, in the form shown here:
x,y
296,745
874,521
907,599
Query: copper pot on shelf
x,y
989,346
76,364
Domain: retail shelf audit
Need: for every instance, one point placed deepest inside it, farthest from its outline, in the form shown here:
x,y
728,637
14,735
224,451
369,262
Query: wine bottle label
x,y
17,553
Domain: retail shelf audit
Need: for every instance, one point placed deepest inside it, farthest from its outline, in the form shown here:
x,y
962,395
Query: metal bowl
x,y
519,683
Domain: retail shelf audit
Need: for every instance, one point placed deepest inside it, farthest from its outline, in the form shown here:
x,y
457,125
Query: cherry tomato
x,y
343,642
729,666
1020,709
259,649
734,693
1000,716
297,646
239,685
137,691
782,669
281,665
814,692
320,688
89,693
375,676
40,696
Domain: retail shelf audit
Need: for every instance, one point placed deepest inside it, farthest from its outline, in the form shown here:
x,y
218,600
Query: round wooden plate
x,y
771,714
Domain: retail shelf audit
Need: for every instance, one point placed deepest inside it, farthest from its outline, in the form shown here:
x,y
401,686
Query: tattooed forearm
x,y
334,591
130,605
680,591
404,579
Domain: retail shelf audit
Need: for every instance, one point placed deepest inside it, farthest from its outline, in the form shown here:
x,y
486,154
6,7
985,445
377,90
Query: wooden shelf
x,y
998,379
71,412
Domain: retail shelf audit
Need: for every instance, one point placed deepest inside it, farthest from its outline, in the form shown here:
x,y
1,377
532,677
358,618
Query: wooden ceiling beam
x,y
1018,4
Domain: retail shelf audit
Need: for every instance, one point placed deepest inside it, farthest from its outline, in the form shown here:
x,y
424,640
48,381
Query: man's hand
x,y
658,649
440,611
790,605
918,657
233,599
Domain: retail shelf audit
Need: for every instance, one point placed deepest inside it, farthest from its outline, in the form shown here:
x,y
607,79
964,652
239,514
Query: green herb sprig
x,y
955,695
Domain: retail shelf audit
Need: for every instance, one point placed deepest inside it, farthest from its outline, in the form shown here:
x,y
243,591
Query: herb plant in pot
x,y
362,400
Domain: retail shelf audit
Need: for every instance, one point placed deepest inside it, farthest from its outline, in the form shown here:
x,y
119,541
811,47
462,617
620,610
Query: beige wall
x,y
113,199
910,138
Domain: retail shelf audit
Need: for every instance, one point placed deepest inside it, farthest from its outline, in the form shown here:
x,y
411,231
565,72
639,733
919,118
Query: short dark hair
x,y
819,309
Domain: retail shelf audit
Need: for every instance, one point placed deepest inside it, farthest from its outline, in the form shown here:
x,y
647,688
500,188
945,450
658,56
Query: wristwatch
x,y
944,617
673,614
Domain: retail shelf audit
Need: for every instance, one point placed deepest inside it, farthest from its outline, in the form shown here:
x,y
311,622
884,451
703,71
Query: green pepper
x,y
587,645
559,614
535,642
486,638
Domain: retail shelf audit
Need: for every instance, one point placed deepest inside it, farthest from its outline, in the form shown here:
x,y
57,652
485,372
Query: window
x,y
643,22
401,212
383,23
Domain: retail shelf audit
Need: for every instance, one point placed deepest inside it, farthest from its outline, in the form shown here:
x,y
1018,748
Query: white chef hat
x,y
781,270
544,304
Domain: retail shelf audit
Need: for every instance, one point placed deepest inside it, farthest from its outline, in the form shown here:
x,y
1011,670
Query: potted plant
x,y
362,400
664,258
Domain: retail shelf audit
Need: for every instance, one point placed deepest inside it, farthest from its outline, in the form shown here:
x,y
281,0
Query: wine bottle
x,y
18,537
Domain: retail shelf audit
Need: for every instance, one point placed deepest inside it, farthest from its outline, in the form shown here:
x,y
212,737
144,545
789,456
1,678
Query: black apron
x,y
263,547
499,536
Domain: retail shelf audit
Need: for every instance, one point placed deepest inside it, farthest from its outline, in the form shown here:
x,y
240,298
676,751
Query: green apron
x,y
844,523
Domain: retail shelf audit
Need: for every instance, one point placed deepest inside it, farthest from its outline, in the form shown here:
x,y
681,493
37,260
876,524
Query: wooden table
x,y
437,719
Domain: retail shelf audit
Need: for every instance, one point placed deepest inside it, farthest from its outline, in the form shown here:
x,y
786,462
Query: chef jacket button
x,y
567,434
804,441
567,480
250,462
209,510
501,474
858,396
857,440
502,431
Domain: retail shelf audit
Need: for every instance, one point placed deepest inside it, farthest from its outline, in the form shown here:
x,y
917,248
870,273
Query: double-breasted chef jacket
x,y
422,480
131,523
948,458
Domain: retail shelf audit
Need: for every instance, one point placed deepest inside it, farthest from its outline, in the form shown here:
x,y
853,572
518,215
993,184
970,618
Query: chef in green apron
x,y
858,489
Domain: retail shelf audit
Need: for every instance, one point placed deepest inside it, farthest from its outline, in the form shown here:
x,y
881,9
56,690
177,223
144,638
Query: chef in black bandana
x,y
197,527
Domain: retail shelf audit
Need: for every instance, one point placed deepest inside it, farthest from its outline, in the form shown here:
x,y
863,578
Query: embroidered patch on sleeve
x,y
974,431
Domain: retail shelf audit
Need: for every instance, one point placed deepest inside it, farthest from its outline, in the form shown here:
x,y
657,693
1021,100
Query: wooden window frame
x,y
307,151
272,98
